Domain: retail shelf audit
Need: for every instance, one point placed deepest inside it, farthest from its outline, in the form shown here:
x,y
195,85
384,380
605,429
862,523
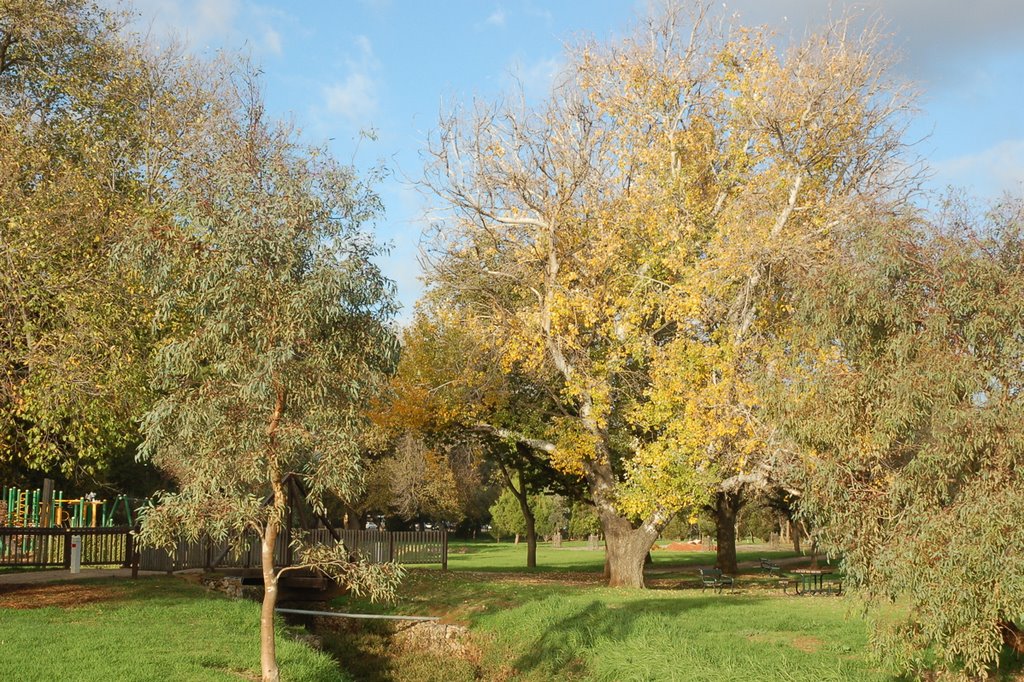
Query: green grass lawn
x,y
541,627
505,623
151,629
574,556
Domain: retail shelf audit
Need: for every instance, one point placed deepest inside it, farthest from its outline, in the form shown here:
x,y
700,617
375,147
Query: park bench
x,y
713,577
770,567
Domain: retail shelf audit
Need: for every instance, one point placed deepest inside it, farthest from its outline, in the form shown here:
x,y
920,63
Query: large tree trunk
x,y
268,648
626,547
794,534
726,507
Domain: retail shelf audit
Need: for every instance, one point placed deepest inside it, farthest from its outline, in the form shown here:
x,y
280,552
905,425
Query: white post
x,y
76,553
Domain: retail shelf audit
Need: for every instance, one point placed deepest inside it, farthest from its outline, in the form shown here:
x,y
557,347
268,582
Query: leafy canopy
x,y
906,396
272,321
623,244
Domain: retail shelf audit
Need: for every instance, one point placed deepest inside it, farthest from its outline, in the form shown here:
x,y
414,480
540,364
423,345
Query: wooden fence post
x,y
129,550
391,546
67,549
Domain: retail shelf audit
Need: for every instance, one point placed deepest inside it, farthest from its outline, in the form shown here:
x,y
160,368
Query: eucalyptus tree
x,y
907,397
620,243
273,327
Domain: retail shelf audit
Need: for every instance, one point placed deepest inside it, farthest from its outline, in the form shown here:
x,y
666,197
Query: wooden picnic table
x,y
812,580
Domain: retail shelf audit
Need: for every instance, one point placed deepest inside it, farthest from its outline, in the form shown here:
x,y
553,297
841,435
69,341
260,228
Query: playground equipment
x,y
42,508
42,527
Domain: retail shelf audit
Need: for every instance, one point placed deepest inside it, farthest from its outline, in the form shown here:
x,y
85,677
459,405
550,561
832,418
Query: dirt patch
x,y
808,645
63,595
380,651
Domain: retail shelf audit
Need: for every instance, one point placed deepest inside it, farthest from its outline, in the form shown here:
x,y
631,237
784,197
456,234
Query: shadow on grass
x,y
562,645
582,567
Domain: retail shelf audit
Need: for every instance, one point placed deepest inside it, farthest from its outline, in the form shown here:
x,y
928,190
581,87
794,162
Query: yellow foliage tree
x,y
625,242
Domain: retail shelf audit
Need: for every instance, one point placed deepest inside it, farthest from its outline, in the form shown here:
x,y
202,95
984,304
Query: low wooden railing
x,y
404,547
51,547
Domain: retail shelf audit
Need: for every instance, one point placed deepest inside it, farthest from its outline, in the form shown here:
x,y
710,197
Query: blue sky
x,y
391,65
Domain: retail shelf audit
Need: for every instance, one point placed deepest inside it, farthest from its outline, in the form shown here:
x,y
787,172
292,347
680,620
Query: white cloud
x,y
541,13
195,21
931,33
496,18
214,17
272,40
989,172
536,78
355,97
204,24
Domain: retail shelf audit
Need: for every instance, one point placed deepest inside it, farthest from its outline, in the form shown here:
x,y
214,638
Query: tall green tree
x,y
907,398
72,333
452,388
273,327
92,124
507,517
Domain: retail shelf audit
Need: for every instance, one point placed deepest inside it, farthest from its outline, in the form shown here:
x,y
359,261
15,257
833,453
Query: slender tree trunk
x,y
814,544
531,522
726,507
268,644
531,536
794,534
353,520
522,495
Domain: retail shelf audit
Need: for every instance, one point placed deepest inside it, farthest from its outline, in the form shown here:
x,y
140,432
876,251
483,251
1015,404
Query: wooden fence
x,y
403,547
206,553
52,546
374,546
